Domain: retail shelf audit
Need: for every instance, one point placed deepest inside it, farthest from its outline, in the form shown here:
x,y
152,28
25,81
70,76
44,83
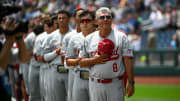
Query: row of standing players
x,y
65,66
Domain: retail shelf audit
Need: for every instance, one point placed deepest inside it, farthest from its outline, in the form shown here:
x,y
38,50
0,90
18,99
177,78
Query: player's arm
x,y
97,59
6,51
72,62
24,56
86,61
71,59
128,61
50,56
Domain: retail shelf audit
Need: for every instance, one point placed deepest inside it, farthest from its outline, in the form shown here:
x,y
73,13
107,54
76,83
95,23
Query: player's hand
x,y
10,24
130,90
58,50
72,62
62,58
40,59
100,59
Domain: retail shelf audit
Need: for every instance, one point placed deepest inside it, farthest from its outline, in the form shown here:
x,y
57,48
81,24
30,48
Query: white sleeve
x,y
127,48
29,41
36,46
50,56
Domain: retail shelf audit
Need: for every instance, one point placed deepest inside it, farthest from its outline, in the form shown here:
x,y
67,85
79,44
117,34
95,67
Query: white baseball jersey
x,y
75,45
29,41
46,45
66,40
65,45
38,47
54,40
46,49
115,66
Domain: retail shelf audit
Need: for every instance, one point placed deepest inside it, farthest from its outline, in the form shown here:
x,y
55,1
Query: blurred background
x,y
149,24
153,28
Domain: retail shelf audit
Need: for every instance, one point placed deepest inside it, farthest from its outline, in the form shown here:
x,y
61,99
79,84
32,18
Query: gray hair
x,y
103,9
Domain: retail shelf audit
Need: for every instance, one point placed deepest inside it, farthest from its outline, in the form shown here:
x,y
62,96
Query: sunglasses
x,y
85,21
103,17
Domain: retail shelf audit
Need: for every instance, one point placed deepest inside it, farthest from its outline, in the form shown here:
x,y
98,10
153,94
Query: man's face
x,y
55,24
104,20
77,18
48,29
63,20
86,23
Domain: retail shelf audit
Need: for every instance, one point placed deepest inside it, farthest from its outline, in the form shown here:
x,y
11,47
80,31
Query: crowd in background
x,y
132,16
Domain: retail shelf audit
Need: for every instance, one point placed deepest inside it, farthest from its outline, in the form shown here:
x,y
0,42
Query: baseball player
x,y
64,49
106,71
34,91
81,79
29,42
58,74
49,26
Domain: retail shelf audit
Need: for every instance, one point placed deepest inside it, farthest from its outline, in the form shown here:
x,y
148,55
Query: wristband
x,y
131,82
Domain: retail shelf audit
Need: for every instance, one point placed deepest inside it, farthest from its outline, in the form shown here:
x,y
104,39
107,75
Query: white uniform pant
x,y
44,84
70,84
34,84
25,73
113,91
58,85
80,89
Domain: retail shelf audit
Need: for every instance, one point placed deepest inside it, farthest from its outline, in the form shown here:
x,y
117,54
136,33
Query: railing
x,y
157,62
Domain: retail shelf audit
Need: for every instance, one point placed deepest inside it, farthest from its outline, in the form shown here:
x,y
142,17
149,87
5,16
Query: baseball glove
x,y
105,46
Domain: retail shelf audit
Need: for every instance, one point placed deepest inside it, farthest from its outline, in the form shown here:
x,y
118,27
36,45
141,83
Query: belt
x,y
106,80
61,69
84,75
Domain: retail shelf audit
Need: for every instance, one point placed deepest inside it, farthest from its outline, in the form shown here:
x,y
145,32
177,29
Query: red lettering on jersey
x,y
115,52
115,55
115,69
76,52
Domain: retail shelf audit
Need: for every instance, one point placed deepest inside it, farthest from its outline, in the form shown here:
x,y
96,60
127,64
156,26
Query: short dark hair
x,y
75,13
38,29
64,12
50,21
86,12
